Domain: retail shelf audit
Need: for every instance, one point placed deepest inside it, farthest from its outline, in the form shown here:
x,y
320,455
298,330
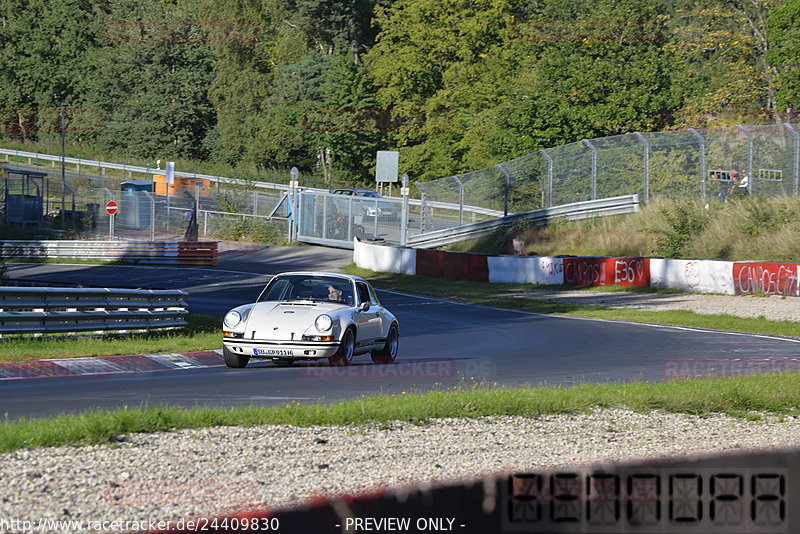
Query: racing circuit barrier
x,y
47,310
150,252
572,212
702,276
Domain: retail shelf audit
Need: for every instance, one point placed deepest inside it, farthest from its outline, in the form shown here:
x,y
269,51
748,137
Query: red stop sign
x,y
111,207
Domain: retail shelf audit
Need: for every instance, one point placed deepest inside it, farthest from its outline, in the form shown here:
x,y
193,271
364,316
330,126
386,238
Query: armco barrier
x,y
47,310
750,492
146,252
702,276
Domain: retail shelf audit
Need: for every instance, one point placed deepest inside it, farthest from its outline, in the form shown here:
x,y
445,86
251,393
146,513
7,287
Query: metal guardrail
x,y
572,212
152,252
47,310
142,170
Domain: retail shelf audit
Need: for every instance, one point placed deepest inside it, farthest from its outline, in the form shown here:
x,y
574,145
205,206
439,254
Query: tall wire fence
x,y
685,163
677,164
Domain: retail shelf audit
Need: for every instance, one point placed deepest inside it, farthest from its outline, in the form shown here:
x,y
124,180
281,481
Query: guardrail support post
x,y
594,168
796,155
749,158
702,142
549,178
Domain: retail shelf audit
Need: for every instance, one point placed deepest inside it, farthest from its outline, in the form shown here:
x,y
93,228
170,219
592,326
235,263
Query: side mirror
x,y
365,306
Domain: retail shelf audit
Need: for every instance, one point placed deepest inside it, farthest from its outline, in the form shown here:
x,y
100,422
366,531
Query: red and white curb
x,y
101,365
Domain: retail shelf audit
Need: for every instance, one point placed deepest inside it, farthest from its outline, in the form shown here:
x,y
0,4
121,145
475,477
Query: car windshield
x,y
371,194
308,287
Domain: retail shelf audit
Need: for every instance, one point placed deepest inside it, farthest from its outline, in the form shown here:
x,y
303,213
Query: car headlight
x,y
323,323
232,318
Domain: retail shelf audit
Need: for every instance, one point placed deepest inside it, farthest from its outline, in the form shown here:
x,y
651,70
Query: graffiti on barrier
x,y
692,273
768,278
606,271
551,267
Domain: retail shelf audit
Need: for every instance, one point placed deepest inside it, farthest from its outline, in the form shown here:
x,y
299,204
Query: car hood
x,y
286,321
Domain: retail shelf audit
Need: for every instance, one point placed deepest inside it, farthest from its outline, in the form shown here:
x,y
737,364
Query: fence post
x,y
594,168
294,203
508,185
749,159
646,166
404,213
549,178
422,206
796,156
460,201
702,141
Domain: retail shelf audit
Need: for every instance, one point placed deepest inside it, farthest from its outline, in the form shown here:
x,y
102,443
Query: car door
x,y
367,318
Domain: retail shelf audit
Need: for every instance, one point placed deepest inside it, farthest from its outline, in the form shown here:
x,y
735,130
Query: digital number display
x,y
660,500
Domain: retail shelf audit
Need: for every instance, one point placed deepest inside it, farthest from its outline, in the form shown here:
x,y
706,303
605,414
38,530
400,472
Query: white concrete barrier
x,y
701,276
526,269
385,259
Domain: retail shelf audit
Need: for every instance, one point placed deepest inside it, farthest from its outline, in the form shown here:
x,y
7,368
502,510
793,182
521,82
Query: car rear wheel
x,y
234,360
344,356
389,351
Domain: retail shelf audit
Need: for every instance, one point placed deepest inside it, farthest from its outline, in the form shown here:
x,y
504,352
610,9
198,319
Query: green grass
x,y
744,228
203,332
739,396
509,296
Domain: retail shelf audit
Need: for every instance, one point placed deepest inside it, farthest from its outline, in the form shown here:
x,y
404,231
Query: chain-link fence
x,y
148,209
685,163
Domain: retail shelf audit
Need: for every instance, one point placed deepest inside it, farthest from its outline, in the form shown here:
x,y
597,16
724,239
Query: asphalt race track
x,y
442,344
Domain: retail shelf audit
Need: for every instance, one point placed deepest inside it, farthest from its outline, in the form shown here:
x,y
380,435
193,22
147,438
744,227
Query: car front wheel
x,y
389,351
234,360
346,349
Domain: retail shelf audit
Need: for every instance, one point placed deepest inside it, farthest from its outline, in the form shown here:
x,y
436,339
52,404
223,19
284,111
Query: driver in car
x,y
335,294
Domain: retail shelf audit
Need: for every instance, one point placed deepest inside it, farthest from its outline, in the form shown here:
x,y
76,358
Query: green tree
x,y
726,46
151,81
45,47
783,31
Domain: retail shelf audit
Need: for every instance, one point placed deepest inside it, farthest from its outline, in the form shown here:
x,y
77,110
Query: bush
x,y
685,223
255,231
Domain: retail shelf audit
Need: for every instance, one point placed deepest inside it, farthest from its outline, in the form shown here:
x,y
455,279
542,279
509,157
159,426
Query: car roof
x,y
343,276
355,190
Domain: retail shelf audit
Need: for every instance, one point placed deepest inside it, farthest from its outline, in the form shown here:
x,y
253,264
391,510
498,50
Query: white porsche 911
x,y
309,316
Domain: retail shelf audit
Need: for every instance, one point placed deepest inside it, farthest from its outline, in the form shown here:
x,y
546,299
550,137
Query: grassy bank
x,y
203,332
739,396
744,228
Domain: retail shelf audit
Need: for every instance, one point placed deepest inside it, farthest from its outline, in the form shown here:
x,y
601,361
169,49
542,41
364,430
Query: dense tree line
x,y
455,85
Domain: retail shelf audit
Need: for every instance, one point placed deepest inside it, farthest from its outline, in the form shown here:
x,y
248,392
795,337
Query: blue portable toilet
x,y
135,206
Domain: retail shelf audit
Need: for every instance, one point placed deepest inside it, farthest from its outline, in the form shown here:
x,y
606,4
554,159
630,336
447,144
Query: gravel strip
x,y
771,307
212,471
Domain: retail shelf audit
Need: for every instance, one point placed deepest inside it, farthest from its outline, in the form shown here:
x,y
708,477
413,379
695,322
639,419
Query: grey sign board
x,y
388,165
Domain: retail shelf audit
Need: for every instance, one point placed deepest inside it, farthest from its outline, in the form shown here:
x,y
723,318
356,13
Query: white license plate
x,y
272,352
